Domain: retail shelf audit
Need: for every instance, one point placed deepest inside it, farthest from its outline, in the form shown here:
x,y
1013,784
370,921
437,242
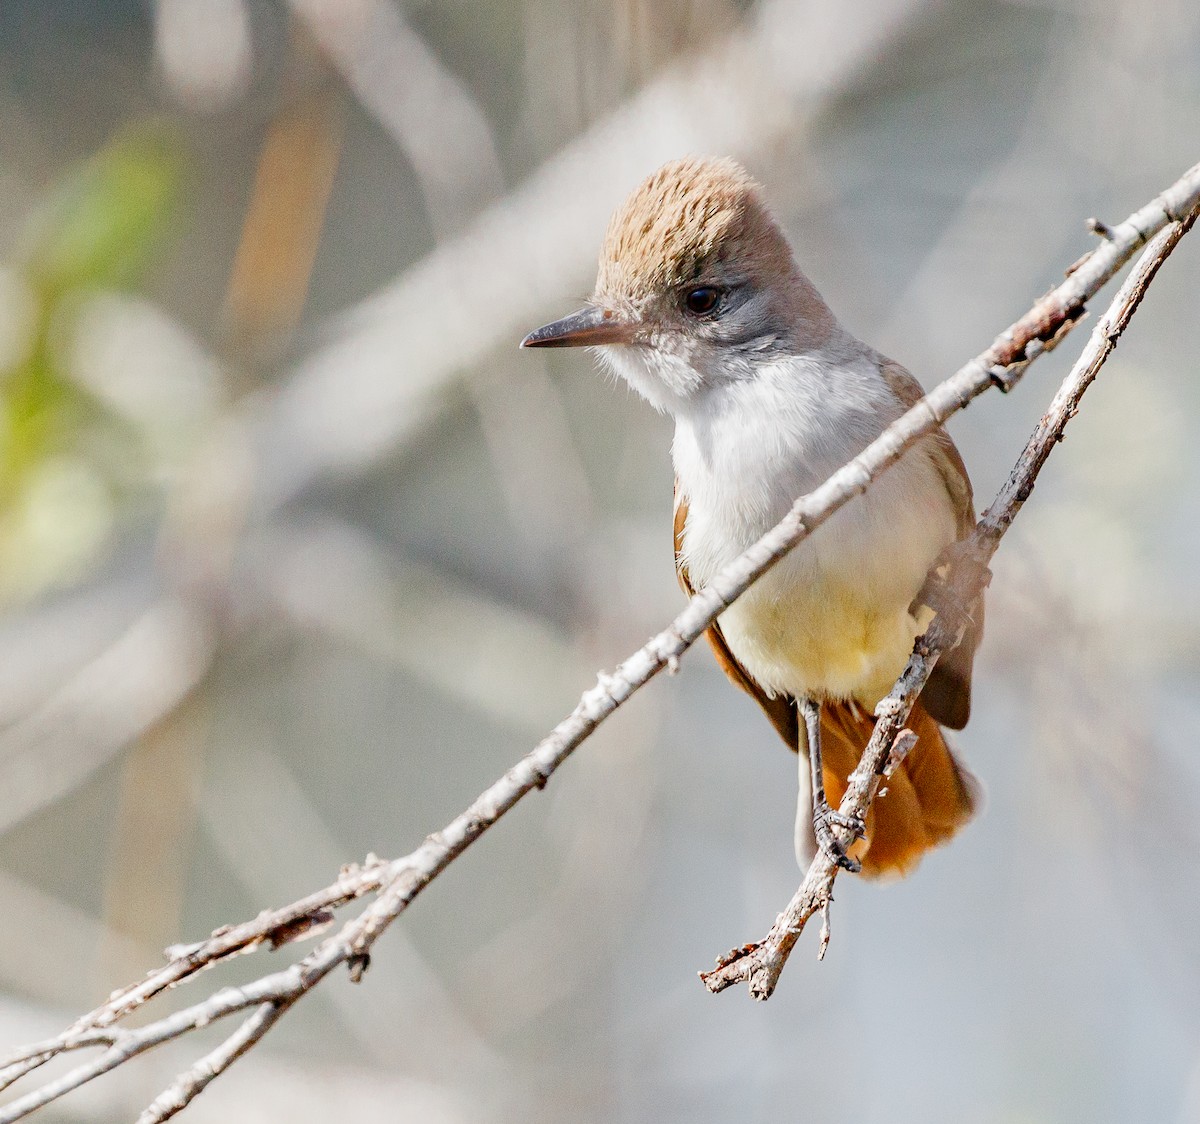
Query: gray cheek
x,y
751,326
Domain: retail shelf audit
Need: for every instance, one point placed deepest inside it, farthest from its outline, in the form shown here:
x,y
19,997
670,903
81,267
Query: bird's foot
x,y
825,819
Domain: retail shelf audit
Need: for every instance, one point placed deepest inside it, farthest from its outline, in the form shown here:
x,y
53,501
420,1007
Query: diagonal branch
x,y
398,882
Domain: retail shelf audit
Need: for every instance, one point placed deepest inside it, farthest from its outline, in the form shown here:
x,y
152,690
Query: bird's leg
x,y
824,817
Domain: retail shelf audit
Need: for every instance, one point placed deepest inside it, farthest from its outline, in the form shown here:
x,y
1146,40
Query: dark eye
x,y
701,300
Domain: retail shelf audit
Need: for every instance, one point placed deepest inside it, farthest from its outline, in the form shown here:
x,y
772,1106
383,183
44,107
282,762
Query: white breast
x,y
832,619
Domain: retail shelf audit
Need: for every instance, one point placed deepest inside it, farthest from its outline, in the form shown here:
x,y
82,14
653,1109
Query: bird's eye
x,y
701,300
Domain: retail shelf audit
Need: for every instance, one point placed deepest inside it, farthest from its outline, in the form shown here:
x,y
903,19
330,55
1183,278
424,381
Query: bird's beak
x,y
586,328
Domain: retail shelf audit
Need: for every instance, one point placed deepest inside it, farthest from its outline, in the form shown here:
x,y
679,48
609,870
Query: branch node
x,y
823,944
1101,228
1004,378
358,963
349,870
734,955
888,707
1077,264
904,742
301,928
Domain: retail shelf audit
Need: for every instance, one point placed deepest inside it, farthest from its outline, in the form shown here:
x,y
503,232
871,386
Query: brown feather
x,y
677,219
923,803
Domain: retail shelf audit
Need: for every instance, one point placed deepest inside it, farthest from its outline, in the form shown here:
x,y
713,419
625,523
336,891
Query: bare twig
x,y
179,1094
399,882
278,926
759,965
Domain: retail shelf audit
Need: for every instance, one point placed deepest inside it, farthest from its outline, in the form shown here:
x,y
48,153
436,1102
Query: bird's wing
x,y
781,709
947,695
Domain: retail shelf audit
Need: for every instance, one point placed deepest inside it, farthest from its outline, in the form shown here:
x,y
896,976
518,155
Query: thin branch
x,y
189,1084
759,965
281,988
400,881
277,927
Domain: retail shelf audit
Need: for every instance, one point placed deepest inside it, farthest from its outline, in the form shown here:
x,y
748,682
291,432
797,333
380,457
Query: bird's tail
x,y
923,803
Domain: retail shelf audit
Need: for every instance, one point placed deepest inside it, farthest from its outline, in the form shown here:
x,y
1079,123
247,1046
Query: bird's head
x,y
697,287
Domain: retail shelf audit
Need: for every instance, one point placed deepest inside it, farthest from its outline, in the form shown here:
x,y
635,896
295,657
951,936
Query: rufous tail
x,y
923,803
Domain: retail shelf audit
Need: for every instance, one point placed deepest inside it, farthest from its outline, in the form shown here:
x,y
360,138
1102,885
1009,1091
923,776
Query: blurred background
x,y
298,553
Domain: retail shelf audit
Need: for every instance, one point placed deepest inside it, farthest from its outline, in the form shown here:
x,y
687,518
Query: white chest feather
x,y
832,619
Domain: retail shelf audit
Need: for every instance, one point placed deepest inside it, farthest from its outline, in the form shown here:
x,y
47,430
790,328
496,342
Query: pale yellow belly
x,y
822,640
832,619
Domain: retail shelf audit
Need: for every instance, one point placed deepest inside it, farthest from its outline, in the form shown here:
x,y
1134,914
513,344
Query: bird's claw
x,y
825,819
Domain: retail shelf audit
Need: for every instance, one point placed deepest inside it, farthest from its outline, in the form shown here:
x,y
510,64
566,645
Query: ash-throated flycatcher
x,y
701,308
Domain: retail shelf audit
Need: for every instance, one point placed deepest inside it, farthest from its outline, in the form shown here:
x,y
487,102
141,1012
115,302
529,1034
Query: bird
x,y
701,307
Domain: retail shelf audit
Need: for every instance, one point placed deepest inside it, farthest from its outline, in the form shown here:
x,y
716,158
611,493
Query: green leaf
x,y
99,227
